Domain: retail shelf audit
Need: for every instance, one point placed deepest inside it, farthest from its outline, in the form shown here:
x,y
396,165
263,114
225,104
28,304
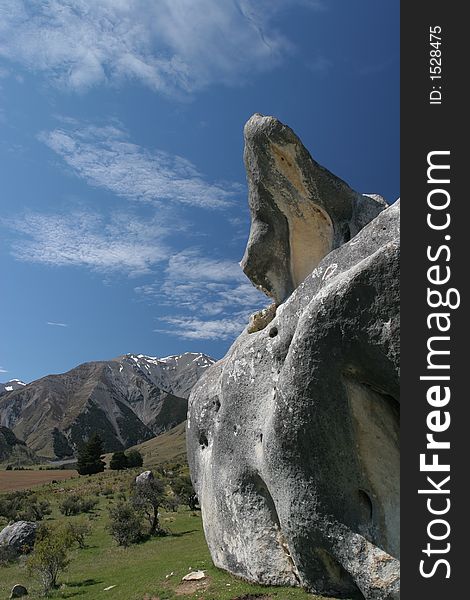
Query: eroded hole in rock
x,y
203,441
366,504
216,404
273,332
254,484
376,425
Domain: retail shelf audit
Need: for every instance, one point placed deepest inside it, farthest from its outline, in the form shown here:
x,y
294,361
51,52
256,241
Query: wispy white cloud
x,y
123,244
56,324
2,370
168,45
194,328
191,265
104,157
213,297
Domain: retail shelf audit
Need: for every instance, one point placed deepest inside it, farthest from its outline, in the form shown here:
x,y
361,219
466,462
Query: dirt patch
x,y
186,588
253,597
21,480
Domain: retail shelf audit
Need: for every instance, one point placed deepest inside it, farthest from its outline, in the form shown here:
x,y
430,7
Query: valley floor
x,y
22,480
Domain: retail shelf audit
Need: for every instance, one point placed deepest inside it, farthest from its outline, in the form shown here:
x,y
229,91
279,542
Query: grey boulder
x,y
293,437
19,535
18,591
144,477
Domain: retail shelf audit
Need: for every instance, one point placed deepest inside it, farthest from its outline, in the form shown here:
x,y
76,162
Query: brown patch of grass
x,y
186,588
253,597
21,480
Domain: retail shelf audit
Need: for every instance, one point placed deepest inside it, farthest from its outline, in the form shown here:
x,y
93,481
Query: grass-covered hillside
x,y
149,570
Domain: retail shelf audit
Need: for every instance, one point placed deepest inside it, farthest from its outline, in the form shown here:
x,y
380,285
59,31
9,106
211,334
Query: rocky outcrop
x,y
19,536
293,437
299,210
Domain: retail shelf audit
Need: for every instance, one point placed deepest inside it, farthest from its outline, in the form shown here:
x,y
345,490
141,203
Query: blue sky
x,y
122,189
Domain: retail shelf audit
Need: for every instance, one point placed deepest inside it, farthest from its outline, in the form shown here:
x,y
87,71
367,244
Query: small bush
x,y
70,506
125,524
74,505
35,509
171,503
88,504
50,555
23,505
78,531
107,490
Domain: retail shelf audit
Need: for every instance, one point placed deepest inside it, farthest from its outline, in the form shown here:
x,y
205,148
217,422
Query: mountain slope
x,y
167,447
14,450
126,400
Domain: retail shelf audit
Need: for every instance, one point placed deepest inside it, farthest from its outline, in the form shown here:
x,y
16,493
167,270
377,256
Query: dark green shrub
x,y
74,505
118,461
134,459
125,524
23,505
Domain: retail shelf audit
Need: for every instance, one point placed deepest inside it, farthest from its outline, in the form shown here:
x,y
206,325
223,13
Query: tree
x,y
134,459
148,496
89,456
119,461
125,524
50,555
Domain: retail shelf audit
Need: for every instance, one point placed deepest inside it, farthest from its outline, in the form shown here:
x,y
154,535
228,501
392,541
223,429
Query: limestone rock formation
x,y
293,437
19,535
299,210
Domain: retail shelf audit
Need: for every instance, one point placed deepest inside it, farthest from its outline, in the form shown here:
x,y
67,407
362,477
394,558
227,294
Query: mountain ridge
x,y
127,400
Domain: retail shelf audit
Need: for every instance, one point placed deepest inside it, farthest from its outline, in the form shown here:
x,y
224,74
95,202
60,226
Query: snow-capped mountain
x,y
176,374
9,386
127,400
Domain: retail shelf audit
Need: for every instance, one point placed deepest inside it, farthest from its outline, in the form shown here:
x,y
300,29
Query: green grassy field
x,y
147,571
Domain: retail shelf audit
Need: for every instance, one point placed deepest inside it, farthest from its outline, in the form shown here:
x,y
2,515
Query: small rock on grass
x,y
194,576
18,591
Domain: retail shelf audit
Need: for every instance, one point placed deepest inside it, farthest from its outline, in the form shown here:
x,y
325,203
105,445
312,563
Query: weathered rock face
x,y
299,210
293,437
19,535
